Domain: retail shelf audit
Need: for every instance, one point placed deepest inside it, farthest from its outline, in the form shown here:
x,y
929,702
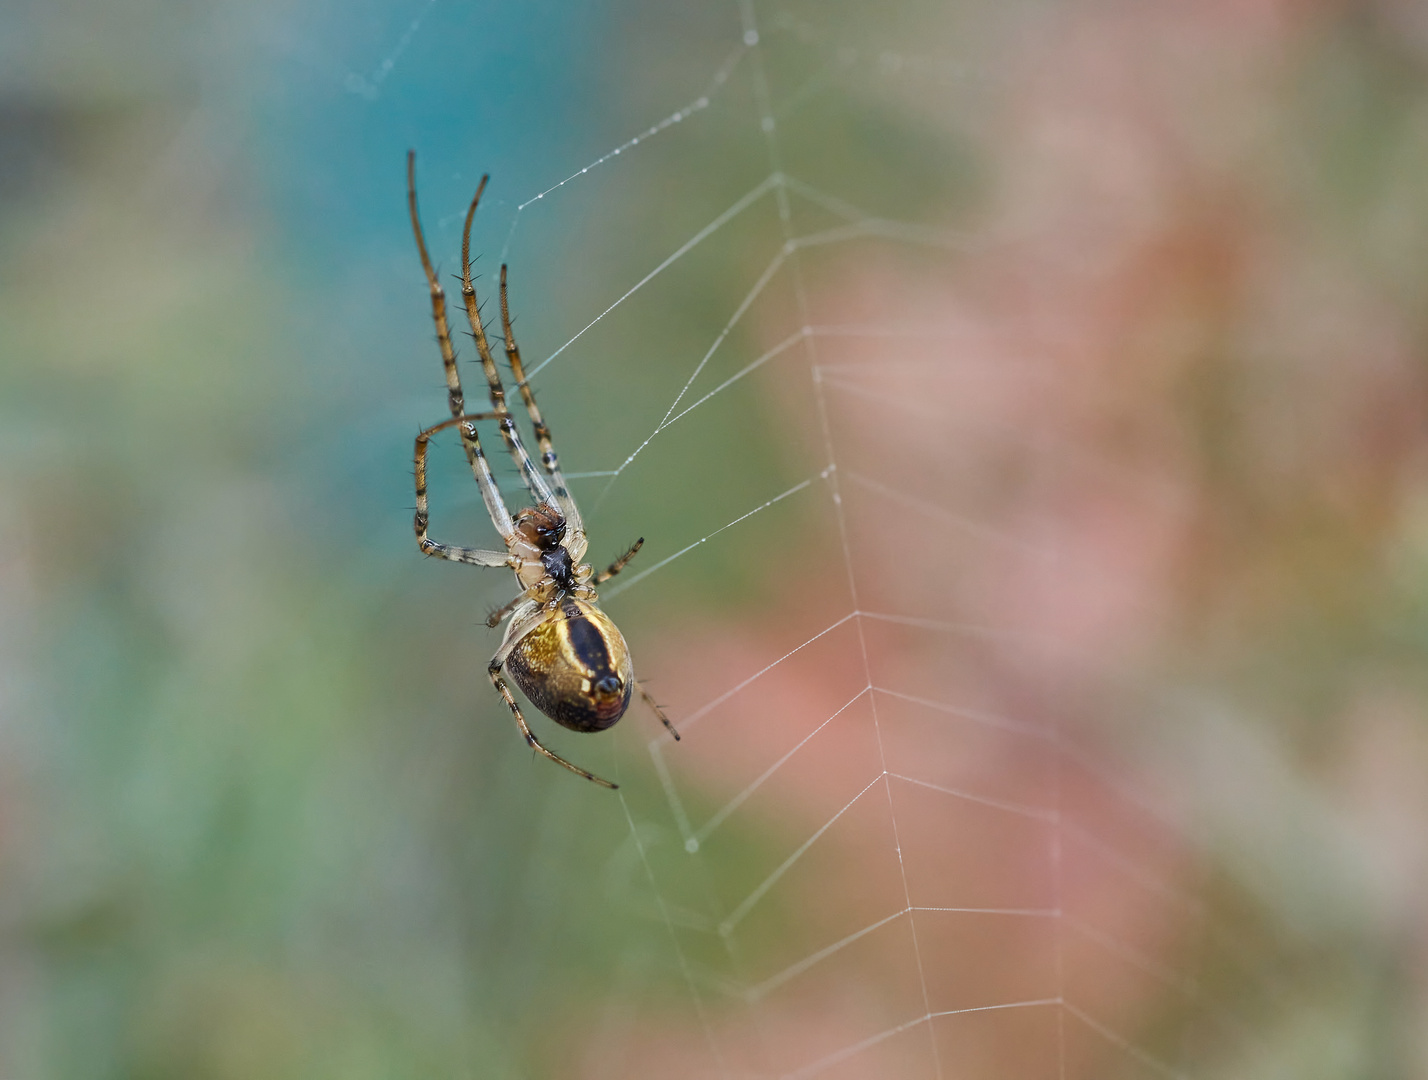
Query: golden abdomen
x,y
575,668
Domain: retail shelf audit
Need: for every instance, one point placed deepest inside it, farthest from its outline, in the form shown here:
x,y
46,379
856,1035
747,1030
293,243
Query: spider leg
x,y
501,612
498,662
535,483
619,564
480,469
542,432
663,719
471,556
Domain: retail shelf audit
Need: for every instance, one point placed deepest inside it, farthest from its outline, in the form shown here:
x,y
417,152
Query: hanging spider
x,y
565,654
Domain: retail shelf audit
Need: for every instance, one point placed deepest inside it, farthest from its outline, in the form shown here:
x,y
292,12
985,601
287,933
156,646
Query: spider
x,y
565,654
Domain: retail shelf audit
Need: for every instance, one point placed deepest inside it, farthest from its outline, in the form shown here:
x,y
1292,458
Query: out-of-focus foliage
x,y
260,814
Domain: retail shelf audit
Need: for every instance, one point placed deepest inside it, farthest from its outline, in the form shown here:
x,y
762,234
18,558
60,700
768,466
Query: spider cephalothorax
x,y
564,653
550,564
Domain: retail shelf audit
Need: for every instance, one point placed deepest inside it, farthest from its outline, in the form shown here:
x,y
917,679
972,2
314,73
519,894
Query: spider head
x,y
541,526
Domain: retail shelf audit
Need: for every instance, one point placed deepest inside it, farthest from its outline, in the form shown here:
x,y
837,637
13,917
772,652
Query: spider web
x,y
885,845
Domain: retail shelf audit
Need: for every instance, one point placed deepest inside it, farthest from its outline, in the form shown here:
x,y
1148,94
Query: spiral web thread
x,y
731,1003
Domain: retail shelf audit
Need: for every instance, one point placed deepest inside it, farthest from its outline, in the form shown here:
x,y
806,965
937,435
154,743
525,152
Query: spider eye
x,y
542,526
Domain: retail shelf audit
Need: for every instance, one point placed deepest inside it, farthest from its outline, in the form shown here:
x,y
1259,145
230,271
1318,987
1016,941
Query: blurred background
x,y
1046,609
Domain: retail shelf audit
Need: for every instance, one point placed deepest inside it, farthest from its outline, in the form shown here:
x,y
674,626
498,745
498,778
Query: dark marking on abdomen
x,y
587,643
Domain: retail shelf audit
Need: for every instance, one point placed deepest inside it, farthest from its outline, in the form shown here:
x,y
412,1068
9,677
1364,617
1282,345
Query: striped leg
x,y
500,517
500,613
663,719
619,564
542,432
471,556
535,483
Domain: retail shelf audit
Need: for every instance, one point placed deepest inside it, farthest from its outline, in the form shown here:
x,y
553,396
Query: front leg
x,y
499,517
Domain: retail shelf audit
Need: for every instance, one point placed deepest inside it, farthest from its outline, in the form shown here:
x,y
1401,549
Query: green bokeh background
x,y
264,816
260,815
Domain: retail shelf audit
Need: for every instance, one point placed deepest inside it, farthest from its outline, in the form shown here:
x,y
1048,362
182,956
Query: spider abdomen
x,y
575,668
